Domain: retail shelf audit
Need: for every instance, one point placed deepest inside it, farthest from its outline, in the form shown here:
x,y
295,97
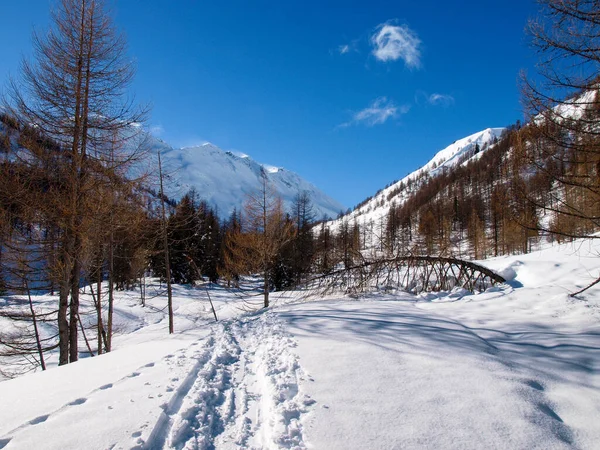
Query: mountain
x,y
458,153
223,178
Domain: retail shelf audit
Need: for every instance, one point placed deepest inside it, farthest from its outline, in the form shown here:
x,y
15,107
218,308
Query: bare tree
x,y
73,93
562,141
265,231
165,241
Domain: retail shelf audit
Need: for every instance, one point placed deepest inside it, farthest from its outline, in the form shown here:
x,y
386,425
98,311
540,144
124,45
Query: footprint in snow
x,y
79,401
309,401
535,385
549,411
39,419
106,386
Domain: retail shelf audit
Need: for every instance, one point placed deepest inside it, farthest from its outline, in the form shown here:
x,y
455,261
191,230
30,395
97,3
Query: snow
x,y
271,169
513,367
450,156
573,108
224,178
459,152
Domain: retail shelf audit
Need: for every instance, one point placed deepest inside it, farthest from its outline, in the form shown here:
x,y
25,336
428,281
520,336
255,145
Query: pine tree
x,y
302,246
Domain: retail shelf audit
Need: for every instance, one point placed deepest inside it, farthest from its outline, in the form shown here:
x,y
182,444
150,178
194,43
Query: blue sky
x,y
350,95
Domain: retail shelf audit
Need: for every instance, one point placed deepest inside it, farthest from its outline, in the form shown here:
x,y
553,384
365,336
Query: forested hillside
x,y
84,193
533,182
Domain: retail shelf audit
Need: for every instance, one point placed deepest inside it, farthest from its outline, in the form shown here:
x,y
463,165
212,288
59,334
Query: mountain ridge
x,y
224,178
458,153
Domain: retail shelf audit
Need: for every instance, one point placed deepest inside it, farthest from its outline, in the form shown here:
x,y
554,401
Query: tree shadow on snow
x,y
552,354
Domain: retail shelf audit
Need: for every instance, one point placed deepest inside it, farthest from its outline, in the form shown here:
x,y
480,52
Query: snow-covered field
x,y
517,367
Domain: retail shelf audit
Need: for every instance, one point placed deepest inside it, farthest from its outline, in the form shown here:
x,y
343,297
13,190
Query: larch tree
x,y
265,231
73,92
303,248
562,140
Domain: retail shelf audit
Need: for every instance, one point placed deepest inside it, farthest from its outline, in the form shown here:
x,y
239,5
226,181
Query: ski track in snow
x,y
243,392
514,367
8,437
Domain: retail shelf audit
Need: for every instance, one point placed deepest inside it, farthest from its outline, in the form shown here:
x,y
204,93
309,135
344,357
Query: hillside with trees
x,y
74,214
454,307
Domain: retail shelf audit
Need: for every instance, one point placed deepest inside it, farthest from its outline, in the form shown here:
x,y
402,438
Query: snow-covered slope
x,y
224,178
460,152
515,367
221,178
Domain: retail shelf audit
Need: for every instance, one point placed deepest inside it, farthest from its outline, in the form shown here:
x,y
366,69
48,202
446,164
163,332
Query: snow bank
x,y
513,367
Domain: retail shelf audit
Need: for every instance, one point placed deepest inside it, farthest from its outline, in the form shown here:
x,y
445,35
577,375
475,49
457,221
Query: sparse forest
x,y
457,305
77,209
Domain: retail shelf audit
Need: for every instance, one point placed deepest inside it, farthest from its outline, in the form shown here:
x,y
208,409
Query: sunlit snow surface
x,y
516,367
224,179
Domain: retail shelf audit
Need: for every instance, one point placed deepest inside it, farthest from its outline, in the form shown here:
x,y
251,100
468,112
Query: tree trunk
x,y
266,288
166,249
35,329
64,289
100,325
74,314
111,289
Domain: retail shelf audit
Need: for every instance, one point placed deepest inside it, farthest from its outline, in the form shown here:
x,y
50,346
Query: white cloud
x,y
343,49
423,98
377,113
440,100
393,42
350,47
157,130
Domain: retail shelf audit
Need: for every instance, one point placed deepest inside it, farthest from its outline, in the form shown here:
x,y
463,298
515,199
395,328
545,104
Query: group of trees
x,y
475,210
194,236
540,178
68,202
75,208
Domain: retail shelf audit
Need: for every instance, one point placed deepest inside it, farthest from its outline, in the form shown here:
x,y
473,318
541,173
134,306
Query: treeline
x,y
481,204
538,181
122,236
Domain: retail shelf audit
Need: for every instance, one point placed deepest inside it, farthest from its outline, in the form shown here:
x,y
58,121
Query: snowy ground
x,y
515,367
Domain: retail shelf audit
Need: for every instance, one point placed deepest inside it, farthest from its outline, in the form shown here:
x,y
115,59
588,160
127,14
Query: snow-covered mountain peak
x,y
457,153
239,154
224,178
271,169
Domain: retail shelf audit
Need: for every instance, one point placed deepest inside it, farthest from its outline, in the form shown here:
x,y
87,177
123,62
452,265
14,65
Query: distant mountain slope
x,y
223,179
458,153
